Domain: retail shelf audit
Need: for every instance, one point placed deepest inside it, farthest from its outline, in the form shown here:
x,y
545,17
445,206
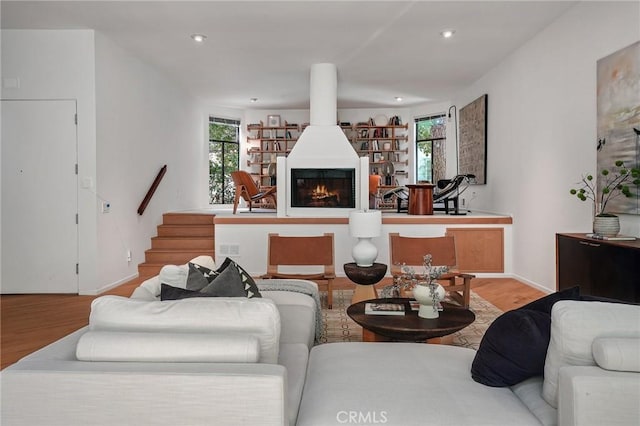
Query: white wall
x,y
542,130
132,120
60,65
143,122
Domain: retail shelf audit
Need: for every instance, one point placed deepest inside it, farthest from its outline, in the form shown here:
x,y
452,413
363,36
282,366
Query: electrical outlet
x,y
106,206
128,255
229,250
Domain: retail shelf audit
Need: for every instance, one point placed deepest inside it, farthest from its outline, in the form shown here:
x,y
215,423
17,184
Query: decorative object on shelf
x,y
271,171
614,183
380,120
387,170
365,225
273,120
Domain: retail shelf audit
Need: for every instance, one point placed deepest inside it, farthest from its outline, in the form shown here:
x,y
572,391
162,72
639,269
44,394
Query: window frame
x,y
226,180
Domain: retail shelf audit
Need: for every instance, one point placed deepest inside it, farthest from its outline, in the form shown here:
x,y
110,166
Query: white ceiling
x,y
264,49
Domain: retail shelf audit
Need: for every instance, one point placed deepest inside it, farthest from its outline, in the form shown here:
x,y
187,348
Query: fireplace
x,y
324,188
323,175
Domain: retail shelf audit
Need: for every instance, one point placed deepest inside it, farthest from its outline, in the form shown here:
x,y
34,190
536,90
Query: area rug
x,y
338,327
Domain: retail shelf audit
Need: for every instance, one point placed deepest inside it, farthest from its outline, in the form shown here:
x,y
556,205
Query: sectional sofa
x,y
241,361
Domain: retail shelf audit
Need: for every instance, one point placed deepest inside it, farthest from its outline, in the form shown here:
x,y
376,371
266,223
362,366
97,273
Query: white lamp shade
x,y
365,223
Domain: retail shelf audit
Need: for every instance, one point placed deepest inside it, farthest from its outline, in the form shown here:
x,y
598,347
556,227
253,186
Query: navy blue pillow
x,y
513,348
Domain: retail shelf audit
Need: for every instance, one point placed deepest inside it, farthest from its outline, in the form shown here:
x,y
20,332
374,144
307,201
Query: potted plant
x,y
615,183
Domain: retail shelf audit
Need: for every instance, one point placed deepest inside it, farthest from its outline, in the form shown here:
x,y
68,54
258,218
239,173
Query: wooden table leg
x,y
363,292
444,340
370,336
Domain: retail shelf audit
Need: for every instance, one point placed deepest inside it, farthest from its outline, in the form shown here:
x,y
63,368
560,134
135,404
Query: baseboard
x,y
110,286
533,284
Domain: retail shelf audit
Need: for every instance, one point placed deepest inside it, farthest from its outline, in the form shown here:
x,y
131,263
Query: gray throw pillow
x,y
249,285
226,284
199,277
168,292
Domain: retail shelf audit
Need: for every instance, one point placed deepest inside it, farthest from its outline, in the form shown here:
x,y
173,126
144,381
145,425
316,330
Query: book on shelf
x,y
616,238
384,309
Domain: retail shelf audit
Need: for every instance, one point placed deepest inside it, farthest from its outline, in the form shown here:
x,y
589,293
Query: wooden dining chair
x,y
302,251
249,191
410,251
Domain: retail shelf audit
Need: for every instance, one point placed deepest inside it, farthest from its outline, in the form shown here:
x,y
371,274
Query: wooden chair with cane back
x,y
302,251
249,191
410,251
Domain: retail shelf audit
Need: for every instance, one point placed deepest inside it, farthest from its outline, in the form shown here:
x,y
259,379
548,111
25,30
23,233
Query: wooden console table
x,y
601,268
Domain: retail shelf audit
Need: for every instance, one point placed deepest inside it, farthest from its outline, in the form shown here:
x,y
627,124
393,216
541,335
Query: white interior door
x,y
39,197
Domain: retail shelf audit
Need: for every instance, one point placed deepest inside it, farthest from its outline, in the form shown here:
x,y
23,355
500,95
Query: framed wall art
x,y
618,100
472,149
273,120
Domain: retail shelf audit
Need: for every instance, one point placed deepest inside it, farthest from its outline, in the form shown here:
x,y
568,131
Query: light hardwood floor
x,y
30,322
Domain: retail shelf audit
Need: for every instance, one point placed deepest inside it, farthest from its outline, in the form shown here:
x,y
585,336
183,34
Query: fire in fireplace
x,y
332,188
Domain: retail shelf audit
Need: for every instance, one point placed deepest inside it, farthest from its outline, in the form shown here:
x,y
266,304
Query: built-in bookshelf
x,y
385,142
265,144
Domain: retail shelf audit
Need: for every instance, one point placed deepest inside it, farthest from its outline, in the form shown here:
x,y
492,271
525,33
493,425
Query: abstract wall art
x,y
472,154
618,105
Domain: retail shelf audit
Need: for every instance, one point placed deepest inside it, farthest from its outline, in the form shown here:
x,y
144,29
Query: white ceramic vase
x,y
422,293
607,226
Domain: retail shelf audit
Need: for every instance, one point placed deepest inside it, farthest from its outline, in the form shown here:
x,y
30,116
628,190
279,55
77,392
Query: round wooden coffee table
x,y
408,327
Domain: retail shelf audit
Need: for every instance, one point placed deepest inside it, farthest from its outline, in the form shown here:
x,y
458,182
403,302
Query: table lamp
x,y
365,225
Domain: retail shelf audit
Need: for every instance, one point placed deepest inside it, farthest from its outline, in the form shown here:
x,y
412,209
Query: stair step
x,y
185,230
182,243
187,219
174,257
148,270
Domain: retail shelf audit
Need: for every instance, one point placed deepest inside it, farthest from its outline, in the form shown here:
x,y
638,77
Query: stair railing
x,y
152,189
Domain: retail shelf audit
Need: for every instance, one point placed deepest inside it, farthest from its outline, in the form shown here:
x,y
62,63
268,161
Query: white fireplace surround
x,y
322,145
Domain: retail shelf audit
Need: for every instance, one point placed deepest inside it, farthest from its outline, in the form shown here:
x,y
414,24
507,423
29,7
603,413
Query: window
x,y
430,148
224,158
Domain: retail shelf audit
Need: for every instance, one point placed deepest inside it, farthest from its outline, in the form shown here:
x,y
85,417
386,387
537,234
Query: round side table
x,y
365,278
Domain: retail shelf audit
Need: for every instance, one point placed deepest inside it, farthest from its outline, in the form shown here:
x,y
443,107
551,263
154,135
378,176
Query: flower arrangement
x,y
616,183
409,279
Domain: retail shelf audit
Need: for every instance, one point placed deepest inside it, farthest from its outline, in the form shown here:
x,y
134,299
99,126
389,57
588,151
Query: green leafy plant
x,y
615,184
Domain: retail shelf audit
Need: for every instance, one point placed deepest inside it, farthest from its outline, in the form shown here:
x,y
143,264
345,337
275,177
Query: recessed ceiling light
x,y
447,33
398,98
253,100
198,38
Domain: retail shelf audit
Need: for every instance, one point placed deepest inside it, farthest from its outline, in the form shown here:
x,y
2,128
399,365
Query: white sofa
x,y
591,378
255,375
227,361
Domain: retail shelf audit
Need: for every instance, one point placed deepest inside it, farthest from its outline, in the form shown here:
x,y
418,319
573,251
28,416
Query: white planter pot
x,y
422,293
607,226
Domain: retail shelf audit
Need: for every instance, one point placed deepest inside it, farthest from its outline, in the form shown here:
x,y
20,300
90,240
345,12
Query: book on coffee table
x,y
384,309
